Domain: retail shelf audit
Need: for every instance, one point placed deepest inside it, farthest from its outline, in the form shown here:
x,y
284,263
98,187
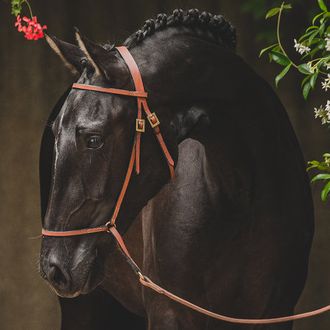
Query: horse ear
x,y
105,63
71,55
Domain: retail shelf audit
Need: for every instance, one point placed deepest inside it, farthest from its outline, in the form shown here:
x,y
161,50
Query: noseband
x,y
110,226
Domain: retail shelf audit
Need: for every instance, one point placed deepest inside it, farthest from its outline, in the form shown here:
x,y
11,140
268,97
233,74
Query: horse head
x,y
93,137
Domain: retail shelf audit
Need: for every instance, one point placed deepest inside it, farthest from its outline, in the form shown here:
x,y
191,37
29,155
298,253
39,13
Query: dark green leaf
x,y
315,41
322,5
313,27
304,68
311,167
307,34
312,36
322,176
314,162
272,12
313,79
305,80
306,89
287,6
325,191
317,17
313,52
267,48
282,74
279,58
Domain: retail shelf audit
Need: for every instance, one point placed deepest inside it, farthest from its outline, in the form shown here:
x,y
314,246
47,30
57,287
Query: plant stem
x,y
318,61
279,36
30,10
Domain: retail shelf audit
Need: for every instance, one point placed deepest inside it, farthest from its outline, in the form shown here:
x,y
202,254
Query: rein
x,y
110,226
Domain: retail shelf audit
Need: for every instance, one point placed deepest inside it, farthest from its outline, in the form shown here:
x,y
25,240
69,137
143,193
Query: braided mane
x,y
215,26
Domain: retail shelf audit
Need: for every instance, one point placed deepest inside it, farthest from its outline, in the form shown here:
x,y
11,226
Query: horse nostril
x,y
57,276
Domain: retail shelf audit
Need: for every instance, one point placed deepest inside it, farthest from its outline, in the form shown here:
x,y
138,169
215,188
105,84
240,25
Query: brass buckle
x,y
153,120
140,125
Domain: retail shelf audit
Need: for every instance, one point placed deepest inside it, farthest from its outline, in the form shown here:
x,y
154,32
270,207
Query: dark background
x,y
32,78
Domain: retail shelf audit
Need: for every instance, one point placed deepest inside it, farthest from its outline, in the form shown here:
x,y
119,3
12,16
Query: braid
x,y
177,16
205,18
192,16
161,20
148,27
216,25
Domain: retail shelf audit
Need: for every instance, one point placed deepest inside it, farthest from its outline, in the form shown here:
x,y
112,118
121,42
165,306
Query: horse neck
x,y
183,69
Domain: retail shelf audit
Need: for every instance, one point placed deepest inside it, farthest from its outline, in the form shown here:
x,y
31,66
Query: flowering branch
x,y
29,26
315,41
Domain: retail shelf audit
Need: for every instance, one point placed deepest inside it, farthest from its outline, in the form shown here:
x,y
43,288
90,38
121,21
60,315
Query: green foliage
x,y
314,47
274,11
323,166
311,43
322,5
279,58
16,7
282,74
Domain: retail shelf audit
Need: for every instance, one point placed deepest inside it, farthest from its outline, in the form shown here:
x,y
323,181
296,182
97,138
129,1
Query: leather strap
x,y
142,103
145,281
148,283
169,159
124,187
138,83
133,68
124,92
77,232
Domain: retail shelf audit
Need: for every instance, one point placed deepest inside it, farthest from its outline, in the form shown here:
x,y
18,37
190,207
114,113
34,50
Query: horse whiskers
x,y
36,258
36,263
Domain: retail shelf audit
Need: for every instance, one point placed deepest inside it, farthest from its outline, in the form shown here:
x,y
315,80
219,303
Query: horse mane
x,y
215,27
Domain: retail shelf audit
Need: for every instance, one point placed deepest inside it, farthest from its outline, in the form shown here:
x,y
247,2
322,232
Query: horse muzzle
x,y
70,273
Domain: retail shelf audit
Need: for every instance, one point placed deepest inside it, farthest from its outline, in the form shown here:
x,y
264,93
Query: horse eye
x,y
94,142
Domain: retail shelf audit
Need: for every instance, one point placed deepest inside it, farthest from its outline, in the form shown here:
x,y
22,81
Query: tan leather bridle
x,y
110,226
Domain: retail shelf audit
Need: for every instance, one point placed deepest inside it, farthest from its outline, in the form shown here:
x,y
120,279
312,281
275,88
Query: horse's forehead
x,y
84,106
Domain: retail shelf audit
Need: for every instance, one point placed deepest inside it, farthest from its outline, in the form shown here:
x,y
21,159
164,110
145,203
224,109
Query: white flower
x,y
300,48
326,83
327,45
323,113
327,107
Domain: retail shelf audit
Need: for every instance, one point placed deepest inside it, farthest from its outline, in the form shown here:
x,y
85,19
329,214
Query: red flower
x,y
30,27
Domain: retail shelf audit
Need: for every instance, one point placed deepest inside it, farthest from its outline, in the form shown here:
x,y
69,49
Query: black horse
x,y
232,232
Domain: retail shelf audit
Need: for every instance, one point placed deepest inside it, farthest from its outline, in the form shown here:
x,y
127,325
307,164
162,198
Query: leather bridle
x,y
142,105
110,226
